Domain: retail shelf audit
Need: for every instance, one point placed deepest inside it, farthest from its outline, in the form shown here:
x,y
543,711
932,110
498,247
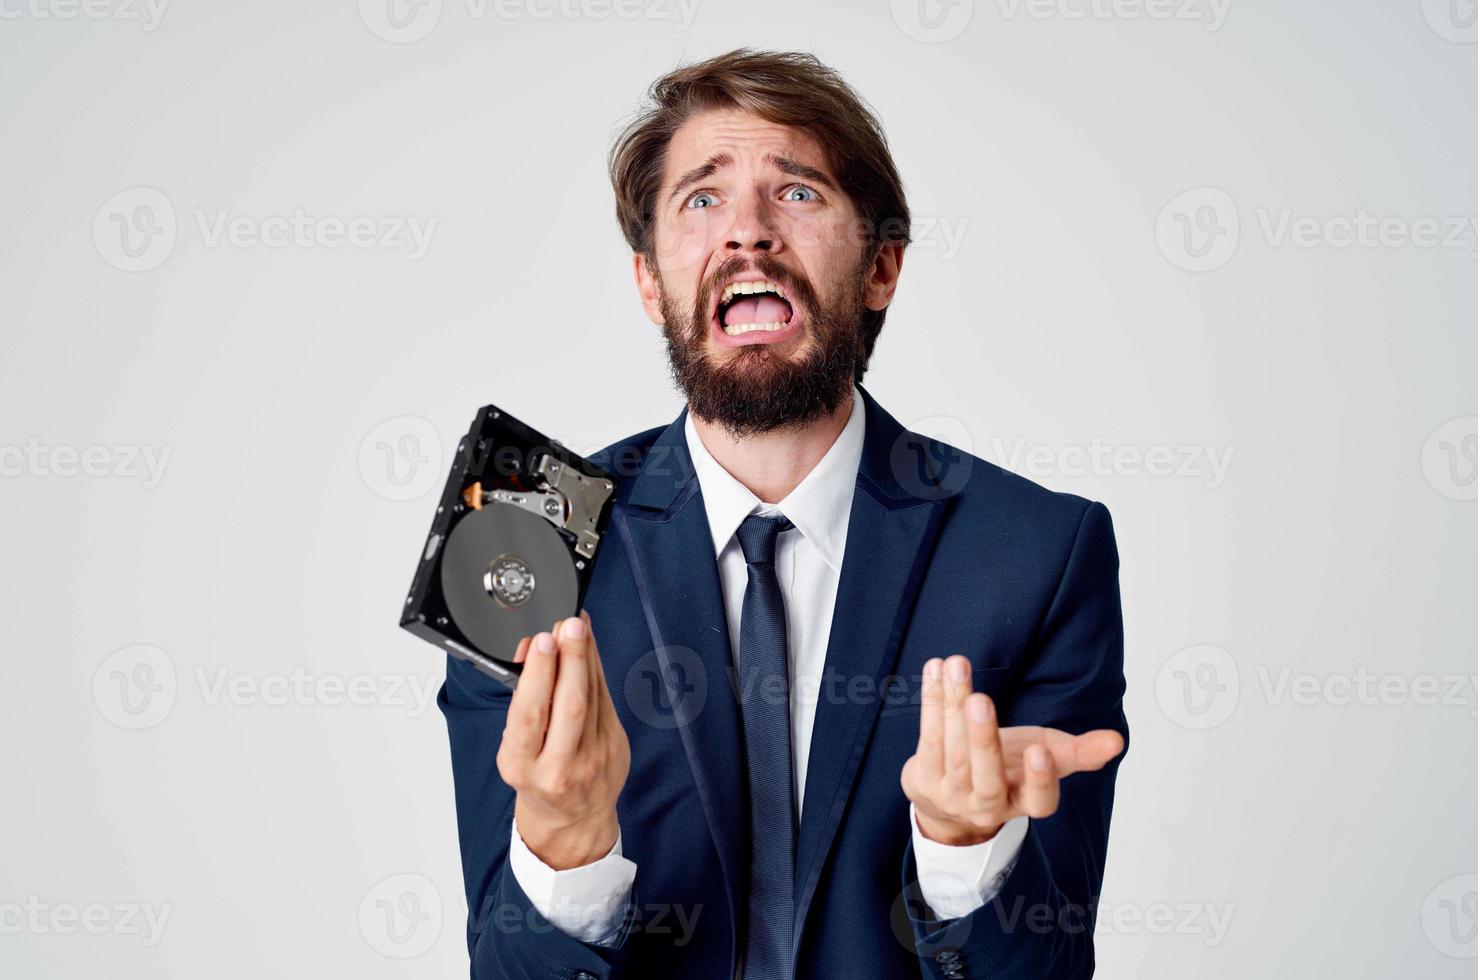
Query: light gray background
x,y
1272,820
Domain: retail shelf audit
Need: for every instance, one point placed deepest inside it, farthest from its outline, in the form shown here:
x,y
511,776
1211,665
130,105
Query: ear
x,y
647,285
882,279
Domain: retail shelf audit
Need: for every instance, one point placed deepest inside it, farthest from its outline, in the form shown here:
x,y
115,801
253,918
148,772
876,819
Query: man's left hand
x,y
968,777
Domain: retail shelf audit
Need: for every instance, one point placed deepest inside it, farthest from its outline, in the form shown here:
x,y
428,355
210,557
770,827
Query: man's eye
x,y
693,202
801,189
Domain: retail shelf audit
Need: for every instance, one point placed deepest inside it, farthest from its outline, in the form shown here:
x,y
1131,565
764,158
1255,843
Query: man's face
x,y
761,273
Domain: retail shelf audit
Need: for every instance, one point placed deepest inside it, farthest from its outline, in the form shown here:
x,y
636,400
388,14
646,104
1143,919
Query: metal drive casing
x,y
535,515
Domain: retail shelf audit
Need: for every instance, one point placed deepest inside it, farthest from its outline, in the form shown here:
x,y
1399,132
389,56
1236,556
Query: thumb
x,y
1092,751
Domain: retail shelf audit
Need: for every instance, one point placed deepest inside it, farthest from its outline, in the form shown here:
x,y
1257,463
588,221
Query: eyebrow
x,y
718,161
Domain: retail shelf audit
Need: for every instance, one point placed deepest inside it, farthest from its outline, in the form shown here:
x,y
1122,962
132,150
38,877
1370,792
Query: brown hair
x,y
789,88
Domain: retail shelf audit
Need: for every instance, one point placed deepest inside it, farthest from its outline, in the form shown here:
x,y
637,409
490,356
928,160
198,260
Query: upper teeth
x,y
740,288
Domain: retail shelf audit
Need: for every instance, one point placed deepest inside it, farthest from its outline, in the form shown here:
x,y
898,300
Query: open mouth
x,y
753,308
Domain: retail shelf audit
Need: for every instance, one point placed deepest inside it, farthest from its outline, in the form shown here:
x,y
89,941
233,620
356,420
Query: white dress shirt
x,y
587,902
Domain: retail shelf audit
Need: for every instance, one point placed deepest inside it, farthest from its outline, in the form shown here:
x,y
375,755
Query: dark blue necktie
x,y
764,677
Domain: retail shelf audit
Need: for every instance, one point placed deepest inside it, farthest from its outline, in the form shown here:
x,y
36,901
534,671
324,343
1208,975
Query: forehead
x,y
743,136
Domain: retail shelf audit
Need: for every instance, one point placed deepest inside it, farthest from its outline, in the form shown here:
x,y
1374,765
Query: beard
x,y
755,388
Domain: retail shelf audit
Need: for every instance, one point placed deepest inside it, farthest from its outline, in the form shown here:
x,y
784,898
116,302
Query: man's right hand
x,y
564,751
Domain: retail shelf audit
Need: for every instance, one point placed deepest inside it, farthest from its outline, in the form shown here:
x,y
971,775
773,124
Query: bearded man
x,y
844,701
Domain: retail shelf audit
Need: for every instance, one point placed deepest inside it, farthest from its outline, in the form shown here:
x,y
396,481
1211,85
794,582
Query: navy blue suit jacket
x,y
945,554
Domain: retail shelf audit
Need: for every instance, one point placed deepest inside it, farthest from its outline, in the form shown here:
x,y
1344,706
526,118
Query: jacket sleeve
x,y
1041,923
507,938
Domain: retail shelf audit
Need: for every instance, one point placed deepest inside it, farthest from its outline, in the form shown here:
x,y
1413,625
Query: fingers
x,y
571,703
528,712
607,720
1096,749
577,629
522,653
956,736
1036,796
931,717
1088,752
987,764
970,776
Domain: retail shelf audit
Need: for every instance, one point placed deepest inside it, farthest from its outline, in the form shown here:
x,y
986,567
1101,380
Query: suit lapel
x,y
664,527
890,536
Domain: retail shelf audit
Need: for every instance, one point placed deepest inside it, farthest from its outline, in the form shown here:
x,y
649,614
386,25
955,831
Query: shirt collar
x,y
819,506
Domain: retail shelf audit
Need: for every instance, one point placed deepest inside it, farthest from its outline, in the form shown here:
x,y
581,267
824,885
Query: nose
x,y
753,229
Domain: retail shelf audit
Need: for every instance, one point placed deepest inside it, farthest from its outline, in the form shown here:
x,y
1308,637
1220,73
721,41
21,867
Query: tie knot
x,y
757,537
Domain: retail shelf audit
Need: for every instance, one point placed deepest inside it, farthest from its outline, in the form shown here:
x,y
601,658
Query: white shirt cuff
x,y
956,881
588,902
